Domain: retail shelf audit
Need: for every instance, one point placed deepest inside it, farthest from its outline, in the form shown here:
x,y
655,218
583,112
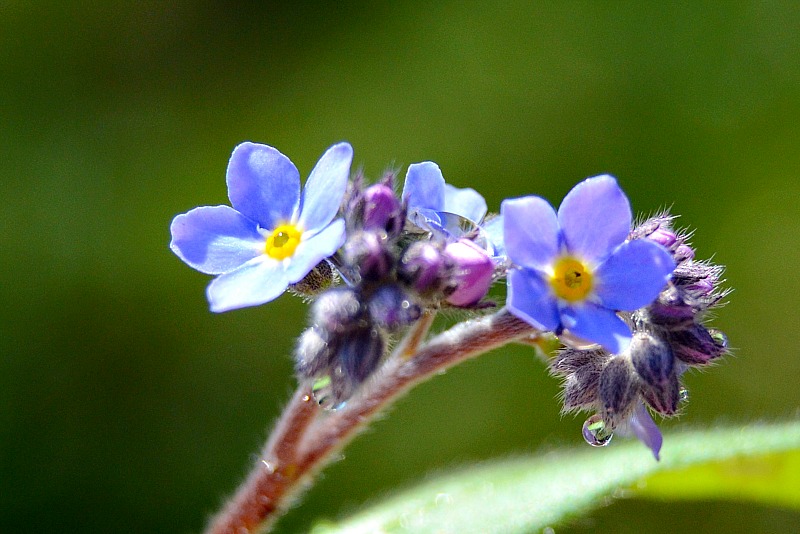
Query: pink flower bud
x,y
472,273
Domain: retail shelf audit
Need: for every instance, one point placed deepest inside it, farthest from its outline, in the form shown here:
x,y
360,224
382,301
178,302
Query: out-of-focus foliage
x,y
530,494
125,406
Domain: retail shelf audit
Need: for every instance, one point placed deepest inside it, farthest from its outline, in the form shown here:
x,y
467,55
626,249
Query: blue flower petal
x,y
595,217
215,239
263,184
530,231
314,249
258,281
465,202
530,299
325,187
424,186
643,426
494,229
634,275
597,324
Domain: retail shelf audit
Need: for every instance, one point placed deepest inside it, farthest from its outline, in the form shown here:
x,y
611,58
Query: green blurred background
x,y
126,406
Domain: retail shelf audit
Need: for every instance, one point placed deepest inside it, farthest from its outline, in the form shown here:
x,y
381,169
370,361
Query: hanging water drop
x,y
683,394
323,394
719,337
596,432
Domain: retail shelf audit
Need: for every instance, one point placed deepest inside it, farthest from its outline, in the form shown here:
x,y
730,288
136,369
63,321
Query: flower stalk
x,y
306,437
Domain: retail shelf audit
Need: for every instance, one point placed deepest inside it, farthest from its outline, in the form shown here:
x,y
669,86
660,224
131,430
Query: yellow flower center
x,y
571,280
283,241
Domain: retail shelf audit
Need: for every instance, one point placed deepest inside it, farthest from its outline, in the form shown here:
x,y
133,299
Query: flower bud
x,y
423,266
702,288
316,281
652,358
382,210
391,308
367,252
663,398
312,354
649,226
472,273
665,238
336,310
696,345
670,310
682,253
580,387
359,354
617,389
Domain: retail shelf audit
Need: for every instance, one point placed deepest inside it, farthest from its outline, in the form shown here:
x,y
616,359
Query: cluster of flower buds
x,y
669,337
394,272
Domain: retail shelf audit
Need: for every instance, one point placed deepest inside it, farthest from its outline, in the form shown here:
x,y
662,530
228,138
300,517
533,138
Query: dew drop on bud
x,y
595,432
719,337
683,394
322,392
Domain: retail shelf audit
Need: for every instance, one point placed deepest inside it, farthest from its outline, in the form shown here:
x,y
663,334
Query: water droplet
x,y
719,337
595,432
443,498
268,466
683,394
323,394
453,226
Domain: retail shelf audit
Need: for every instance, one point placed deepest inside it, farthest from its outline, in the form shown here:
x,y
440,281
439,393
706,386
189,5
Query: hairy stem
x,y
275,475
304,441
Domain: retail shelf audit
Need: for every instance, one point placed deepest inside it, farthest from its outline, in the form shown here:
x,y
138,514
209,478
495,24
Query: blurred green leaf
x,y
757,462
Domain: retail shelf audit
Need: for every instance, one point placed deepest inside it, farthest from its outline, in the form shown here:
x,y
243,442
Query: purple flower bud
x,y
652,358
382,210
580,387
472,274
670,310
391,308
336,310
312,354
696,345
648,226
366,250
703,288
617,389
682,253
359,354
423,266
663,398
663,237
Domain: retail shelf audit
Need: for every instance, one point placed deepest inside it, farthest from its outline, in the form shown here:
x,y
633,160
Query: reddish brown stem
x,y
304,442
268,487
398,375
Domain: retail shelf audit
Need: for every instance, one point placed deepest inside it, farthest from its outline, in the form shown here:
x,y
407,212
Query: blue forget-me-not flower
x,y
575,269
273,235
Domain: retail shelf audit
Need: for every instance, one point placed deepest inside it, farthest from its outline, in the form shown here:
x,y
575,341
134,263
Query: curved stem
x,y
305,440
398,375
274,477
